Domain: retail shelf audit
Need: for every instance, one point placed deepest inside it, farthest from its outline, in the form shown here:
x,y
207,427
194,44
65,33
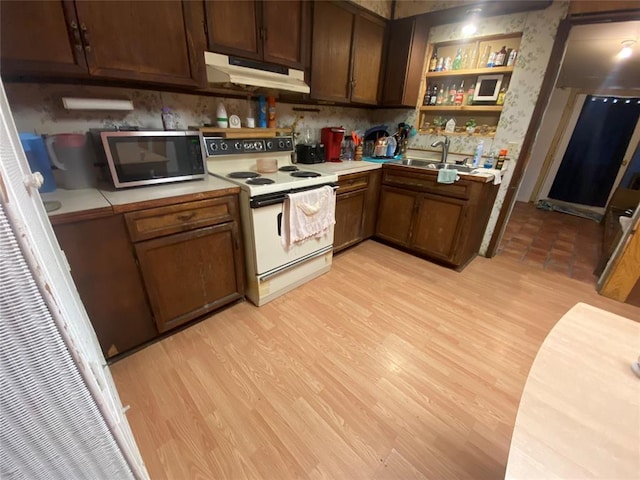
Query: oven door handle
x,y
279,197
279,221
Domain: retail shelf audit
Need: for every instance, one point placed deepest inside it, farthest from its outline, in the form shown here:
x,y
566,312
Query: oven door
x,y
270,255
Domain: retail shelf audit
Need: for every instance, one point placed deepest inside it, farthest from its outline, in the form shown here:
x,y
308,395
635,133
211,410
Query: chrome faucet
x,y
445,147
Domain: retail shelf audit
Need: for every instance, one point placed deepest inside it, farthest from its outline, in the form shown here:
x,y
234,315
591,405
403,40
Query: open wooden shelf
x,y
469,72
462,108
456,134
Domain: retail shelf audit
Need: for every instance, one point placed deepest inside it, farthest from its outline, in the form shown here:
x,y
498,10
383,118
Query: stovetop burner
x,y
305,174
288,168
260,181
243,175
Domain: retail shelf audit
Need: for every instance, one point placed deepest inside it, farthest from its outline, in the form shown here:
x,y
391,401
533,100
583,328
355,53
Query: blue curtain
x,y
596,149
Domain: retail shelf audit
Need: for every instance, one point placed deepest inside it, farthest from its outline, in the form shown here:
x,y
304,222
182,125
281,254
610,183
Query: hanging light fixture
x,y
470,27
627,49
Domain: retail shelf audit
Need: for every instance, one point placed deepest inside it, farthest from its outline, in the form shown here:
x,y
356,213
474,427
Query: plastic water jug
x,y
38,159
69,153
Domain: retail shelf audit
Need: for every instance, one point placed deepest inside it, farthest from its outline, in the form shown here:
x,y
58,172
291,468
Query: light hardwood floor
x,y
386,367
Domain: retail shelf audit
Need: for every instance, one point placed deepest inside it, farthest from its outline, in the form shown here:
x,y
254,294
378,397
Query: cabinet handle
x,y
186,216
76,36
85,37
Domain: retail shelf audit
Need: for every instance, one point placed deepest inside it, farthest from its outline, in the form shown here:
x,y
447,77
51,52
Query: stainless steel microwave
x,y
138,158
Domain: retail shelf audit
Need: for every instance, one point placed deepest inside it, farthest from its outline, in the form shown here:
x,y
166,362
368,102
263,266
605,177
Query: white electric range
x,y
272,269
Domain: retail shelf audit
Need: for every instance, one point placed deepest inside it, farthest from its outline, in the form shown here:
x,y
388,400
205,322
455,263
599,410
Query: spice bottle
x,y
271,123
501,158
433,63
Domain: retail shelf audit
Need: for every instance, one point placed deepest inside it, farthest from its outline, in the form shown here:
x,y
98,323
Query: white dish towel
x,y
308,214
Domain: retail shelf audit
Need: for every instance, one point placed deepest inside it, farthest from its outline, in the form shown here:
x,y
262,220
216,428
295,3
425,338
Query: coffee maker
x,y
332,139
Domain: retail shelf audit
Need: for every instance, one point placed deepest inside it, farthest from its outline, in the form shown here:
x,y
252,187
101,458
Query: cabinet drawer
x,y
157,222
352,182
427,183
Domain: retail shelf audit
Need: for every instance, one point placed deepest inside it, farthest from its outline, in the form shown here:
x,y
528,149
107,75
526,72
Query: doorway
x,y
593,153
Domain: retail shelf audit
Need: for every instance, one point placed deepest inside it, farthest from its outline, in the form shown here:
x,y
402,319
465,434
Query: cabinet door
x,y
285,26
233,28
406,49
192,273
395,213
437,226
367,60
371,203
40,37
138,40
331,52
104,270
349,219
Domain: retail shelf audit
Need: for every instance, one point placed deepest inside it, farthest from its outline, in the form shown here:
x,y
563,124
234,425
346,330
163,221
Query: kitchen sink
x,y
412,162
451,166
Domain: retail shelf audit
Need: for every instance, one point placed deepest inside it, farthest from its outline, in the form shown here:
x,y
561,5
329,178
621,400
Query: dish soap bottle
x,y
477,157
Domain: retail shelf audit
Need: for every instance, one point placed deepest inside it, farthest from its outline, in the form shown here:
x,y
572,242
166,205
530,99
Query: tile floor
x,y
555,241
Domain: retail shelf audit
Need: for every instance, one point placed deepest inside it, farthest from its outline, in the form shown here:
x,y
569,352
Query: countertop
x,y
483,175
105,200
579,415
342,168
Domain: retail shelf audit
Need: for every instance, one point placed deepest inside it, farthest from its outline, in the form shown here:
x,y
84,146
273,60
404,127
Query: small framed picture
x,y
487,88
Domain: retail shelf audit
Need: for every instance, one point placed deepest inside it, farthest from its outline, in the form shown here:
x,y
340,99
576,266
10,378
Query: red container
x,y
332,139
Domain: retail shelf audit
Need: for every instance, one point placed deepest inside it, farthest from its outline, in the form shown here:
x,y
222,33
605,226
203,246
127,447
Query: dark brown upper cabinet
x,y
147,41
346,54
58,47
273,31
405,57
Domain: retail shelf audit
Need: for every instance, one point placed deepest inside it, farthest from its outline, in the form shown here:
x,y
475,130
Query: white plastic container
x,y
221,116
477,157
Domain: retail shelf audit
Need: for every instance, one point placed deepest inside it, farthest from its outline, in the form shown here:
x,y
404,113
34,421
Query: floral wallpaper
x,y
407,8
38,108
381,7
538,33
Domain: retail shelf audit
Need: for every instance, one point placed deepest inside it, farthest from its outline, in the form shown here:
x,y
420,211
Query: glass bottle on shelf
x,y
457,60
433,63
512,58
473,57
427,96
459,95
434,95
492,60
452,94
501,95
465,60
447,64
470,95
440,97
440,65
501,57
484,58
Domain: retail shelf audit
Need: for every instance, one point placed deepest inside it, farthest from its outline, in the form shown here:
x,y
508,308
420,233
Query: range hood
x,y
222,69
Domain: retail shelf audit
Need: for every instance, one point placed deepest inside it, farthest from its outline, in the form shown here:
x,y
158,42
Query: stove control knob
x,y
288,143
257,145
237,146
269,145
224,147
212,146
281,144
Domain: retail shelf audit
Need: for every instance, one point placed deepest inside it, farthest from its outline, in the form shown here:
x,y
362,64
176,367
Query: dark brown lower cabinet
x,y
395,212
190,256
349,215
103,267
356,208
189,274
439,221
